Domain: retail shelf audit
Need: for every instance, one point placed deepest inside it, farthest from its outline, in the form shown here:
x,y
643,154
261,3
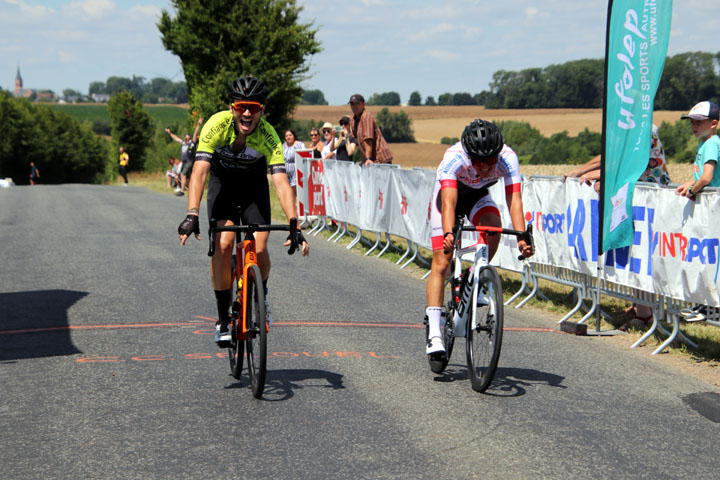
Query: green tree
x,y
313,97
395,127
386,98
463,99
415,99
445,99
263,38
131,128
63,149
430,102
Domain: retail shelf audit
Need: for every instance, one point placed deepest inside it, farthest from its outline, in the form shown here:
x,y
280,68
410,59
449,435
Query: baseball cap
x,y
357,98
327,125
345,120
703,111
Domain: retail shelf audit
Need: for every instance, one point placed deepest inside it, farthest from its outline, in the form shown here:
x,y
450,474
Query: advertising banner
x,y
637,38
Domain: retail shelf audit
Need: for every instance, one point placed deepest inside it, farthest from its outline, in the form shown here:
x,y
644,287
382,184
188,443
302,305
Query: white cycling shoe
x,y
435,346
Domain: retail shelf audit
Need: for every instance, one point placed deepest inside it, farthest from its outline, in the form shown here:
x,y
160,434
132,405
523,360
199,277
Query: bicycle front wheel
x,y
256,337
484,329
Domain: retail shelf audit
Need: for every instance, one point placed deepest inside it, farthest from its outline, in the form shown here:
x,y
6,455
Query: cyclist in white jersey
x,y
466,172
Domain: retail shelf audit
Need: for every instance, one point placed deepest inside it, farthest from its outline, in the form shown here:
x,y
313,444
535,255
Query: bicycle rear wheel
x,y
256,337
446,328
484,330
237,351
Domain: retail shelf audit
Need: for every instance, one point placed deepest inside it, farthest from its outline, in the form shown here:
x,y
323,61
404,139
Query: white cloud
x,y
66,57
89,10
21,12
531,11
442,55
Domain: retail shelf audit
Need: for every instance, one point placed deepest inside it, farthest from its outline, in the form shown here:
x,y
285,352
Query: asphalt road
x,y
108,370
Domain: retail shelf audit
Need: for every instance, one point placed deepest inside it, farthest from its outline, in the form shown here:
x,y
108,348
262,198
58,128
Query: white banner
x,y
674,253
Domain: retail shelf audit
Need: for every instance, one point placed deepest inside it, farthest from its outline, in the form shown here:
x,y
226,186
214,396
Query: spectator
x,y
703,121
656,172
173,175
34,174
124,161
373,147
315,144
188,145
346,143
291,145
329,140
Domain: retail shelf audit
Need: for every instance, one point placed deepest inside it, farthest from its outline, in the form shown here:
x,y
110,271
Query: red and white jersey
x,y
456,166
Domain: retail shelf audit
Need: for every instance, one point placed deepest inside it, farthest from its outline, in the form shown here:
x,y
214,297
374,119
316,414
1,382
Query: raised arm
x,y
173,136
196,134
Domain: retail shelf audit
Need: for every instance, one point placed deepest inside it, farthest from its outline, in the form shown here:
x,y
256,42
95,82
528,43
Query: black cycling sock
x,y
265,285
223,299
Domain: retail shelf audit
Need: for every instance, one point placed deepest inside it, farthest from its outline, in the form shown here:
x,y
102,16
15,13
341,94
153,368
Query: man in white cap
x,y
703,121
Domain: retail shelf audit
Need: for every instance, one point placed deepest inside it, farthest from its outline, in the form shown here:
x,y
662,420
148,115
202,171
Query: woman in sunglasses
x,y
316,143
236,147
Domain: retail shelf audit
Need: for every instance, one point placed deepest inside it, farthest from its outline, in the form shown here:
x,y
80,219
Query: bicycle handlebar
x,y
251,229
526,235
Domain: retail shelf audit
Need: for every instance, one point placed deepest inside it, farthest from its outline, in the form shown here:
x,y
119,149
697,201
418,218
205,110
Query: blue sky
x,y
368,45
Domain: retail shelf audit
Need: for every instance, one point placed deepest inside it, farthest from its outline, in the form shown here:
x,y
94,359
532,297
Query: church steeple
x,y
18,82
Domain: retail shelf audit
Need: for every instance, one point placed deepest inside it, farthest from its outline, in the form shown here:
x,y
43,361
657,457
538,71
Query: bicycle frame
x,y
245,255
462,298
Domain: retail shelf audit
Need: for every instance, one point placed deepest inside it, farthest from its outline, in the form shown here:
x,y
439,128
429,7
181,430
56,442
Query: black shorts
x,y
251,195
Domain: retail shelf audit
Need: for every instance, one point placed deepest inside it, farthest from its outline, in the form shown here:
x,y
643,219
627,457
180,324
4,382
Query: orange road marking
x,y
98,327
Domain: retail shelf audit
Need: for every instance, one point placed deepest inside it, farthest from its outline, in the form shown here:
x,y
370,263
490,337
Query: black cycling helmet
x,y
248,88
482,139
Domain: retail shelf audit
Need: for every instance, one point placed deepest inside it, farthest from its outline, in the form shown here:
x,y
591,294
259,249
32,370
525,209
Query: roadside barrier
x,y
672,264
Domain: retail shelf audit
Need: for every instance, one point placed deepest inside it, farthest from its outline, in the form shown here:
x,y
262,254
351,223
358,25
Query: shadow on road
x,y
35,324
508,382
280,385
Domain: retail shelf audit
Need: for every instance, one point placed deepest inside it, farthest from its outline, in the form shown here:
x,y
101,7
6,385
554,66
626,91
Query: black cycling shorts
x,y
252,196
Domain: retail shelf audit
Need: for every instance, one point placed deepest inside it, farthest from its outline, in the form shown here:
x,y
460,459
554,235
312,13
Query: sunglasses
x,y
327,130
241,106
484,162
314,134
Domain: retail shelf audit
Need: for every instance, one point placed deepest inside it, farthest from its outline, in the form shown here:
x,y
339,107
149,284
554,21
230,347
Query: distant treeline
x,y
157,90
687,79
63,149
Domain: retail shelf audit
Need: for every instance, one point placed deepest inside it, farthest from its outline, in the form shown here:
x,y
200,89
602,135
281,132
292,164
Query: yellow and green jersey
x,y
263,148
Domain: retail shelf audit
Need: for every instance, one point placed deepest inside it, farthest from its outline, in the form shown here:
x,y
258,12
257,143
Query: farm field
x,y
432,123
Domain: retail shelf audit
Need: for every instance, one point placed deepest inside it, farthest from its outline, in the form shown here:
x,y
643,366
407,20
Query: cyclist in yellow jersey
x,y
235,149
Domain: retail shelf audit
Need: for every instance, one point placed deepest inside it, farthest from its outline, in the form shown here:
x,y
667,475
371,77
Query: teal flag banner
x,y
637,38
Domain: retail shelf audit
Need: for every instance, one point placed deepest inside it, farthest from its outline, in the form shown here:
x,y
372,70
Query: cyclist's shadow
x,y
280,385
508,382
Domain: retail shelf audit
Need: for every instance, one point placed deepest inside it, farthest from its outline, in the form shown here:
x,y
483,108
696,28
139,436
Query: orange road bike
x,y
249,325
473,306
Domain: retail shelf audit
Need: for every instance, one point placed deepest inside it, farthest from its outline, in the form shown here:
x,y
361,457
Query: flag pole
x,y
600,272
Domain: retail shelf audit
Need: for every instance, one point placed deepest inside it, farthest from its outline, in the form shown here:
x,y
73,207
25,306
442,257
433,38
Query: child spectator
x,y
173,175
703,121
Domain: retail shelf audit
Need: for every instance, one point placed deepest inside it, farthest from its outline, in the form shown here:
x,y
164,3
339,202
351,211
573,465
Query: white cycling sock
x,y
433,314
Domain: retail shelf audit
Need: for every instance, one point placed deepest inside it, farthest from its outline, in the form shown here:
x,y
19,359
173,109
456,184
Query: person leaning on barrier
x,y
704,119
467,170
345,144
236,148
328,132
704,122
656,172
372,144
